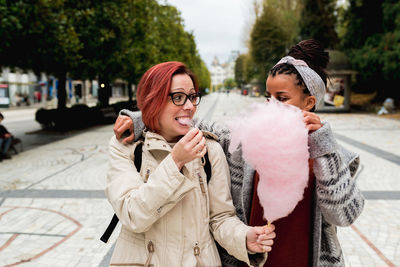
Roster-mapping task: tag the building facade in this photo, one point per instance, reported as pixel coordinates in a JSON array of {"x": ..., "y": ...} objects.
[{"x": 222, "y": 71}]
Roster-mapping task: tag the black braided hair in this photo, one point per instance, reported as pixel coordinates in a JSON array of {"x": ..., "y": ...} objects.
[{"x": 311, "y": 52}]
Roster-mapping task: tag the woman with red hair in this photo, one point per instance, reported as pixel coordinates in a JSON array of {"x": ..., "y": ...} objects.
[{"x": 170, "y": 217}]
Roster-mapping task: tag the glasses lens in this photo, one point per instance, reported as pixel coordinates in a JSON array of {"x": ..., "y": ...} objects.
[
  {"x": 178, "y": 98},
  {"x": 194, "y": 98}
]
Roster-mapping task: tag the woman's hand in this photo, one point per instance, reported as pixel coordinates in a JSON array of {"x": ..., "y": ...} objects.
[
  {"x": 312, "y": 120},
  {"x": 190, "y": 147},
  {"x": 259, "y": 239},
  {"x": 124, "y": 124}
]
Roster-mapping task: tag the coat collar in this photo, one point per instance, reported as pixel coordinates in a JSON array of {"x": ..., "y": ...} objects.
[{"x": 154, "y": 141}]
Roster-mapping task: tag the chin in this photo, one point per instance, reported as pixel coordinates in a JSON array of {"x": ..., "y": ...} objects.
[{"x": 183, "y": 131}]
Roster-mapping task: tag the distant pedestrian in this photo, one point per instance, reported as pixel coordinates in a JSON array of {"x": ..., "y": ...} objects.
[
  {"x": 307, "y": 237},
  {"x": 38, "y": 96},
  {"x": 5, "y": 140}
]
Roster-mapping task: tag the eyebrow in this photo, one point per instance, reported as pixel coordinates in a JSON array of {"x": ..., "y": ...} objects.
[
  {"x": 278, "y": 93},
  {"x": 281, "y": 92},
  {"x": 182, "y": 89}
]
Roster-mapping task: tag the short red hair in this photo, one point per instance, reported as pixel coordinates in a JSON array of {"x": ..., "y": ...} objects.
[{"x": 154, "y": 87}]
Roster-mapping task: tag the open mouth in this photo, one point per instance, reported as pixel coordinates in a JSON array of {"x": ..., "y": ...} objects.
[{"x": 184, "y": 121}]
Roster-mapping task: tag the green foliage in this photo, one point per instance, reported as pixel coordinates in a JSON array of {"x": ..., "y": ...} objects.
[
  {"x": 268, "y": 43},
  {"x": 289, "y": 12},
  {"x": 373, "y": 45},
  {"x": 363, "y": 19},
  {"x": 318, "y": 21},
  {"x": 229, "y": 83},
  {"x": 38, "y": 36},
  {"x": 204, "y": 77},
  {"x": 274, "y": 30},
  {"x": 91, "y": 39},
  {"x": 240, "y": 69}
]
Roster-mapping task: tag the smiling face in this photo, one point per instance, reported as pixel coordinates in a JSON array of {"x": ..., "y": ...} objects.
[
  {"x": 284, "y": 88},
  {"x": 174, "y": 119}
]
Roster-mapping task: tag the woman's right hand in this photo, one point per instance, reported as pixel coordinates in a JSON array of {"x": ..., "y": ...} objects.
[{"x": 190, "y": 147}]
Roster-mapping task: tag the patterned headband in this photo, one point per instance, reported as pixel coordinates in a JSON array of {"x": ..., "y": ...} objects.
[{"x": 312, "y": 80}]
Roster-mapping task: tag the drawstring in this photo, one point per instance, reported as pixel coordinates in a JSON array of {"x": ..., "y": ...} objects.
[
  {"x": 150, "y": 248},
  {"x": 196, "y": 252}
]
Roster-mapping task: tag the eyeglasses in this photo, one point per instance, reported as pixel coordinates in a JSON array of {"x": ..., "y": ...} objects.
[{"x": 179, "y": 98}]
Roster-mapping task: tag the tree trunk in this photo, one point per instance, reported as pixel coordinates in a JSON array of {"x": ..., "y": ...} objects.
[
  {"x": 84, "y": 91},
  {"x": 61, "y": 91},
  {"x": 104, "y": 93},
  {"x": 130, "y": 93}
]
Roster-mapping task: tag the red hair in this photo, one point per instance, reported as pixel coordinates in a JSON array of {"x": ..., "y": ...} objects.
[{"x": 154, "y": 87}]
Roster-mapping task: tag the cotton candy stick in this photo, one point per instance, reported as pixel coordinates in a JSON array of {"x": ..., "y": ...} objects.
[{"x": 273, "y": 139}]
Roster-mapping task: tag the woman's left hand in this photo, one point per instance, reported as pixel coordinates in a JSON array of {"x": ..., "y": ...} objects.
[
  {"x": 259, "y": 239},
  {"x": 312, "y": 120}
]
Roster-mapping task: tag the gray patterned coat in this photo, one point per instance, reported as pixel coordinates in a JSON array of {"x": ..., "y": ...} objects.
[{"x": 338, "y": 201}]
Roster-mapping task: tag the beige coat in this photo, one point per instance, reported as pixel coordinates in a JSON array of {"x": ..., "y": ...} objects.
[{"x": 169, "y": 218}]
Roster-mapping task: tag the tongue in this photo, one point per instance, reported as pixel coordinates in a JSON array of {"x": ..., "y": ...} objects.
[{"x": 185, "y": 121}]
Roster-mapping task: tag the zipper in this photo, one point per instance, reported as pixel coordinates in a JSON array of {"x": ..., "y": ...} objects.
[
  {"x": 203, "y": 189},
  {"x": 146, "y": 177}
]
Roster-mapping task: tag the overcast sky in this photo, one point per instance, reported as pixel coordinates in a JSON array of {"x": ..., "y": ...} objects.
[{"x": 218, "y": 25}]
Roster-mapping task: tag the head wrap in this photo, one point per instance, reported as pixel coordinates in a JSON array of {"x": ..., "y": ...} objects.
[{"x": 312, "y": 80}]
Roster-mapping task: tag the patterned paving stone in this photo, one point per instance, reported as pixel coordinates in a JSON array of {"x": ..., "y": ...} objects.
[{"x": 70, "y": 168}]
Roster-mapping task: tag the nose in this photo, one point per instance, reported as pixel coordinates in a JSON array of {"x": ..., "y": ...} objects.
[{"x": 188, "y": 105}]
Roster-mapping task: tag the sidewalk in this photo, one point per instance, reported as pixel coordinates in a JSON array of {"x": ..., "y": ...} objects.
[{"x": 53, "y": 209}]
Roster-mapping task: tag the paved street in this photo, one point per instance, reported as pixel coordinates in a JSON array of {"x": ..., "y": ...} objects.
[{"x": 53, "y": 209}]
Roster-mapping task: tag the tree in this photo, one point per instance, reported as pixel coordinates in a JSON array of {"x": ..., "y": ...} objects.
[
  {"x": 229, "y": 83},
  {"x": 204, "y": 77},
  {"x": 40, "y": 37},
  {"x": 372, "y": 43},
  {"x": 318, "y": 21},
  {"x": 101, "y": 40},
  {"x": 105, "y": 28},
  {"x": 268, "y": 41},
  {"x": 240, "y": 70}
]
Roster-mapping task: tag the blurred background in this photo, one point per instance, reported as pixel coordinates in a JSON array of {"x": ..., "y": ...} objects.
[
  {"x": 57, "y": 54},
  {"x": 67, "y": 67}
]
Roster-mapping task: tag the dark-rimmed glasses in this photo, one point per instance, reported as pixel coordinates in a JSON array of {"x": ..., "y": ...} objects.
[{"x": 180, "y": 98}]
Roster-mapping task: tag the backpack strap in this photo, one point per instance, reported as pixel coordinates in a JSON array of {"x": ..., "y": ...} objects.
[
  {"x": 138, "y": 156},
  {"x": 110, "y": 229},
  {"x": 207, "y": 167},
  {"x": 114, "y": 220}
]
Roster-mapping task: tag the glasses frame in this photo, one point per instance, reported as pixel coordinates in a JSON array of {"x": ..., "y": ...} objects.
[{"x": 186, "y": 98}]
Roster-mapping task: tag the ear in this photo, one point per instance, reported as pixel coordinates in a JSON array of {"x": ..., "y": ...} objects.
[{"x": 309, "y": 102}]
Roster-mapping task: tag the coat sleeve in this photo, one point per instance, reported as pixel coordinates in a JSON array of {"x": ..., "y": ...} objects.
[
  {"x": 138, "y": 125},
  {"x": 338, "y": 196},
  {"x": 137, "y": 204},
  {"x": 225, "y": 226}
]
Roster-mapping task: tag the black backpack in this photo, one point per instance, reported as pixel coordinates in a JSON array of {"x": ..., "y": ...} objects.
[{"x": 138, "y": 164}]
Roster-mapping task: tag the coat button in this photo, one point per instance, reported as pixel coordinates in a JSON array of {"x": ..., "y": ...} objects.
[{"x": 159, "y": 210}]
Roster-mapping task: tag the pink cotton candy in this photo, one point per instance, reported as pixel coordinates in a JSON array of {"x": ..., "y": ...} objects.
[{"x": 273, "y": 137}]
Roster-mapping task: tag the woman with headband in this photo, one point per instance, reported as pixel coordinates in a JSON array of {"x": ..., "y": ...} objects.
[{"x": 307, "y": 237}]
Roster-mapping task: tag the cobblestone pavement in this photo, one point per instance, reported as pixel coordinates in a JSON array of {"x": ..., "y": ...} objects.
[{"x": 53, "y": 209}]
